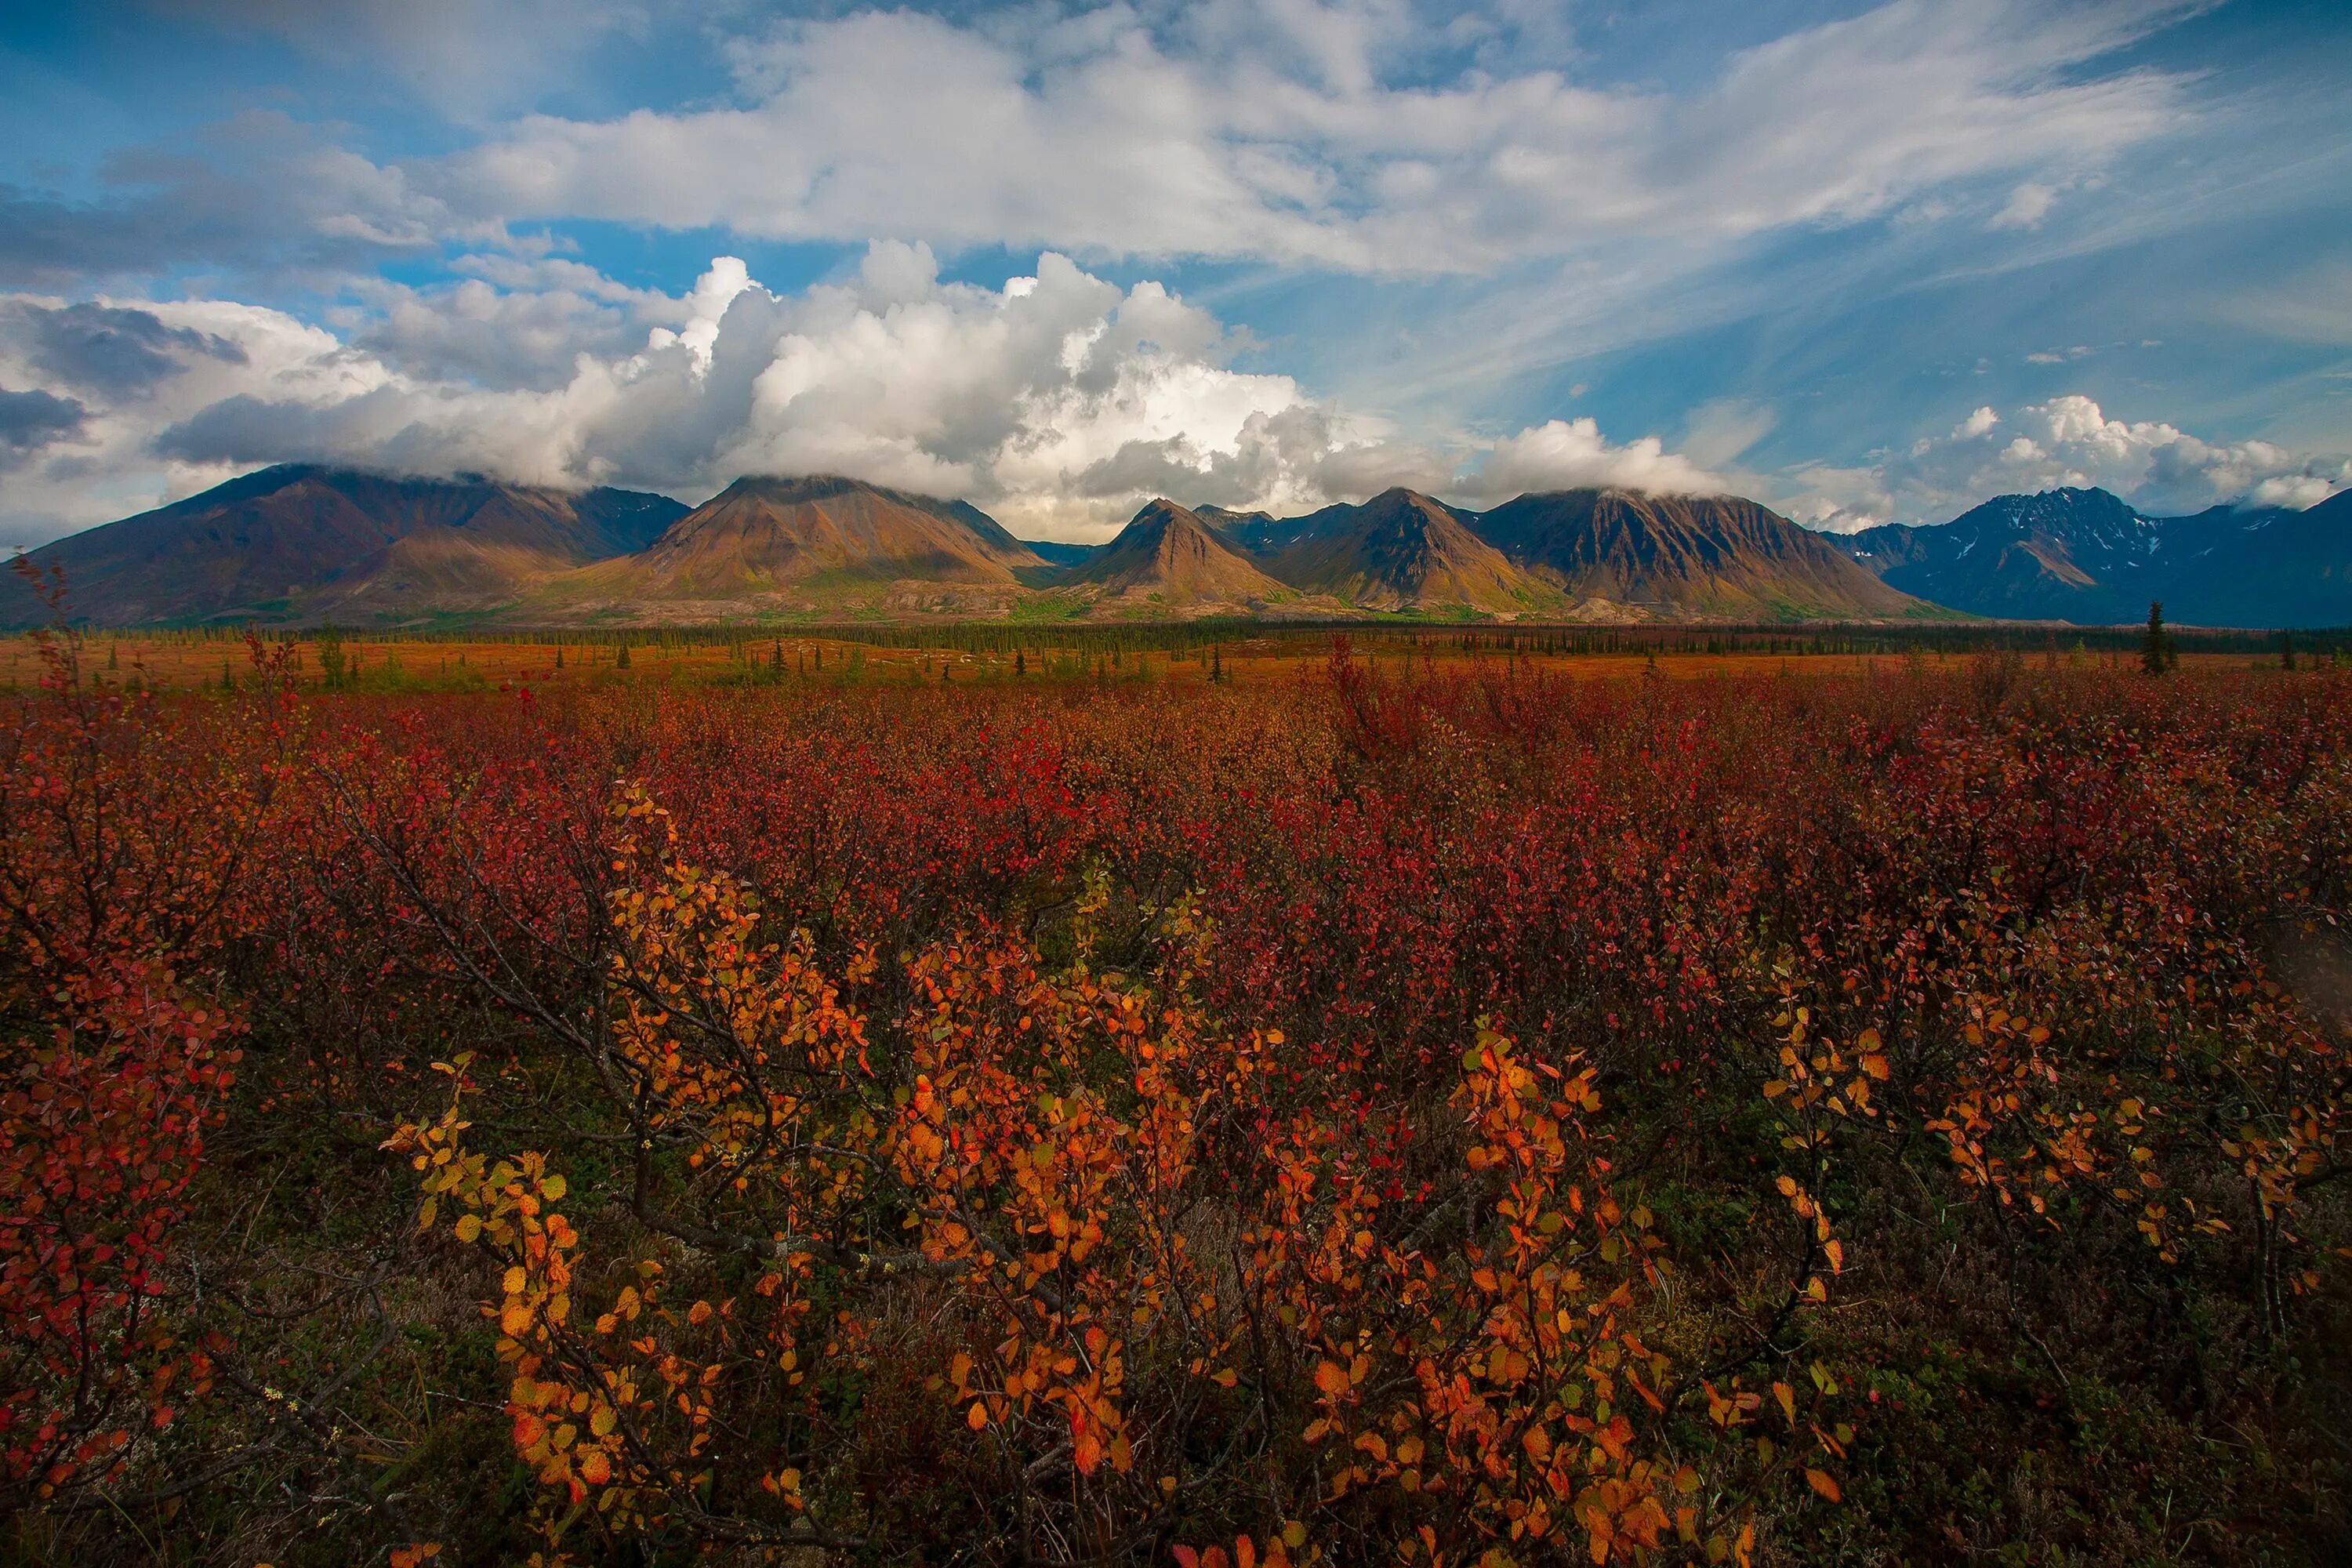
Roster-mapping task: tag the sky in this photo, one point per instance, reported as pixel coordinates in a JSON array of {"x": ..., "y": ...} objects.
[{"x": 1863, "y": 262}]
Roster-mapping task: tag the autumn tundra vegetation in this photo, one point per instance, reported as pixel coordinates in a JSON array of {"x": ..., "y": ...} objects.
[{"x": 1385, "y": 1111}]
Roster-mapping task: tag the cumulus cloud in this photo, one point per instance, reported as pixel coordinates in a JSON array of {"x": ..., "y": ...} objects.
[
  {"x": 107, "y": 465},
  {"x": 31, "y": 420},
  {"x": 514, "y": 324},
  {"x": 2067, "y": 441},
  {"x": 114, "y": 351},
  {"x": 1060, "y": 400},
  {"x": 1572, "y": 454}
]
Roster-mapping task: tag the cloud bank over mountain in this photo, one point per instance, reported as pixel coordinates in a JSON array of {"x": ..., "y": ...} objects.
[
  {"x": 1060, "y": 400},
  {"x": 1059, "y": 258},
  {"x": 2067, "y": 441}
]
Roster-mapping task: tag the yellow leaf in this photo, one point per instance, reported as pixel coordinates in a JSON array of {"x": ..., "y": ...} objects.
[
  {"x": 468, "y": 1227},
  {"x": 1788, "y": 1398},
  {"x": 551, "y": 1187}
]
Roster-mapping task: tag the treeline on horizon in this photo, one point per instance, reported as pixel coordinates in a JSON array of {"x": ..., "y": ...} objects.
[{"x": 1565, "y": 639}]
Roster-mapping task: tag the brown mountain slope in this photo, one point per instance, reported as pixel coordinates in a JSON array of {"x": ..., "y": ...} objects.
[
  {"x": 301, "y": 543},
  {"x": 1401, "y": 550},
  {"x": 1167, "y": 558},
  {"x": 1623, "y": 555},
  {"x": 761, "y": 537}
]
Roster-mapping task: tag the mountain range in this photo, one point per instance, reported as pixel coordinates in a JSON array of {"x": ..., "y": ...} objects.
[
  {"x": 2083, "y": 556},
  {"x": 302, "y": 544}
]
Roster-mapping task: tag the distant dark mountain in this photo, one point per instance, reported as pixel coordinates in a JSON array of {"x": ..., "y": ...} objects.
[
  {"x": 2064, "y": 555},
  {"x": 303, "y": 542},
  {"x": 2085, "y": 556},
  {"x": 1167, "y": 558},
  {"x": 1258, "y": 532},
  {"x": 2264, "y": 566},
  {"x": 1617, "y": 554},
  {"x": 1053, "y": 552},
  {"x": 1401, "y": 550},
  {"x": 805, "y": 540}
]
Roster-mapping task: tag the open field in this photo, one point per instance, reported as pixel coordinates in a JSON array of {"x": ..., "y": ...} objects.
[
  {"x": 1258, "y": 1100},
  {"x": 182, "y": 662}
]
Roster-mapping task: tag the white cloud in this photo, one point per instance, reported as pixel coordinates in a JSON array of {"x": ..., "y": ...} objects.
[
  {"x": 1718, "y": 432},
  {"x": 2028, "y": 204},
  {"x": 1060, "y": 401},
  {"x": 1572, "y": 454},
  {"x": 1274, "y": 132},
  {"x": 2067, "y": 441},
  {"x": 108, "y": 466},
  {"x": 515, "y": 325}
]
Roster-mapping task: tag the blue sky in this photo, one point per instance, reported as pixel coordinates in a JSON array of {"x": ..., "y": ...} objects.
[{"x": 1864, "y": 262}]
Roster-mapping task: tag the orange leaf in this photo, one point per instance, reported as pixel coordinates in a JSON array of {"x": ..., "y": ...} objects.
[{"x": 1822, "y": 1482}]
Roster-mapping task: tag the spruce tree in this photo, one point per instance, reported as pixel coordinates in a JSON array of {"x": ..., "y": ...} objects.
[
  {"x": 331, "y": 656},
  {"x": 2156, "y": 653}
]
